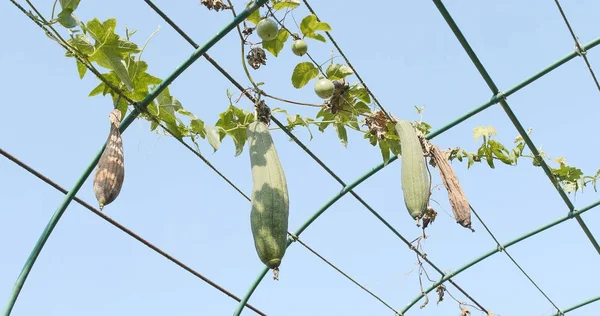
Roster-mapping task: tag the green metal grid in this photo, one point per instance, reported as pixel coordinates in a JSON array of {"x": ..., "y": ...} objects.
[{"x": 497, "y": 98}]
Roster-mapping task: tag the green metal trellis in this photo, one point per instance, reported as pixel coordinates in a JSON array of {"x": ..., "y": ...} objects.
[{"x": 497, "y": 98}]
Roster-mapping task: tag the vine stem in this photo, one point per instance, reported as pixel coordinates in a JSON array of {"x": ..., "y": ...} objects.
[
  {"x": 243, "y": 40},
  {"x": 290, "y": 101}
]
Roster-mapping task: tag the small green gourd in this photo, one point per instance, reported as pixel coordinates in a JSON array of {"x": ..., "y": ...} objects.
[
  {"x": 270, "y": 202},
  {"x": 414, "y": 174},
  {"x": 110, "y": 172}
]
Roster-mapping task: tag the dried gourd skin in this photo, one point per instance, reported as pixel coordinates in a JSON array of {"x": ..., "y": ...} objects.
[{"x": 110, "y": 173}]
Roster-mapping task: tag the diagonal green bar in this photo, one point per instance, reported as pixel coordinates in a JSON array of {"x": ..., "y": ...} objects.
[
  {"x": 500, "y": 248},
  {"x": 463, "y": 41},
  {"x": 465, "y": 44},
  {"x": 126, "y": 122},
  {"x": 582, "y": 304}
]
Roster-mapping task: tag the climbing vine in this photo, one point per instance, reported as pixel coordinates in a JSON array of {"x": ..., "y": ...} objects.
[{"x": 347, "y": 104}]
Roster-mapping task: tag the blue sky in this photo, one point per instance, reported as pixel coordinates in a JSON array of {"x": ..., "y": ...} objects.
[{"x": 408, "y": 56}]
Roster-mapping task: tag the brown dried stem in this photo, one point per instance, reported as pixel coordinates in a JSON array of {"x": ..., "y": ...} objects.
[{"x": 456, "y": 195}]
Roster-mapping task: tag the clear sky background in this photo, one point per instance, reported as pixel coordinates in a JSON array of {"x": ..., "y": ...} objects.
[{"x": 408, "y": 56}]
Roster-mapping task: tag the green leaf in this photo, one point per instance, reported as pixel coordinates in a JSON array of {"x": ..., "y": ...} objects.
[
  {"x": 174, "y": 129},
  {"x": 276, "y": 45},
  {"x": 423, "y": 127},
  {"x": 297, "y": 120},
  {"x": 327, "y": 116},
  {"x": 385, "y": 150},
  {"x": 489, "y": 157},
  {"x": 108, "y": 59},
  {"x": 338, "y": 71},
  {"x": 567, "y": 173},
  {"x": 111, "y": 49},
  {"x": 112, "y": 78},
  {"x": 187, "y": 113},
  {"x": 500, "y": 152},
  {"x": 66, "y": 17},
  {"x": 391, "y": 132},
  {"x": 309, "y": 26},
  {"x": 234, "y": 122},
  {"x": 121, "y": 105},
  {"x": 394, "y": 145},
  {"x": 341, "y": 132},
  {"x": 282, "y": 4},
  {"x": 81, "y": 68},
  {"x": 101, "y": 88},
  {"x": 69, "y": 4},
  {"x": 360, "y": 93},
  {"x": 212, "y": 134},
  {"x": 303, "y": 73},
  {"x": 82, "y": 44},
  {"x": 167, "y": 106},
  {"x": 361, "y": 107},
  {"x": 372, "y": 138},
  {"x": 482, "y": 131},
  {"x": 254, "y": 18},
  {"x": 142, "y": 81},
  {"x": 197, "y": 126}
]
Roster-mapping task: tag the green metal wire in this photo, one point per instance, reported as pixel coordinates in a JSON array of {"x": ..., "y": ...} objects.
[
  {"x": 126, "y": 122},
  {"x": 578, "y": 47},
  {"x": 344, "y": 274},
  {"x": 467, "y": 47},
  {"x": 501, "y": 248}
]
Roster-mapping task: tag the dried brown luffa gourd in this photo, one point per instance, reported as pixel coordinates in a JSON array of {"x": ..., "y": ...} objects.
[{"x": 110, "y": 172}]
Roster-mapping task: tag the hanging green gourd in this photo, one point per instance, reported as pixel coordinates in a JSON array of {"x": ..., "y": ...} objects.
[
  {"x": 110, "y": 172},
  {"x": 270, "y": 203},
  {"x": 414, "y": 174}
]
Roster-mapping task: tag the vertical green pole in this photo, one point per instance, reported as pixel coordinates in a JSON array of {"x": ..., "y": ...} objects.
[{"x": 126, "y": 122}]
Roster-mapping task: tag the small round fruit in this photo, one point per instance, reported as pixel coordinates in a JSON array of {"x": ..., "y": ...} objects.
[
  {"x": 299, "y": 47},
  {"x": 324, "y": 88},
  {"x": 267, "y": 29}
]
